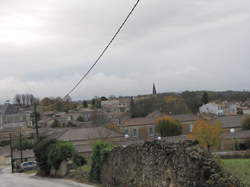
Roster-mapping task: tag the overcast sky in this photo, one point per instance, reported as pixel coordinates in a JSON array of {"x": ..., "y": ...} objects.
[{"x": 46, "y": 46}]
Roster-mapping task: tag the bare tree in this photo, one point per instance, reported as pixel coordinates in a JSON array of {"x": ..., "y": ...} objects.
[{"x": 17, "y": 99}]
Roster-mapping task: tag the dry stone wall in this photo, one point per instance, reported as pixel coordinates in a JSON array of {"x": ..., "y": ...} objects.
[{"x": 164, "y": 164}]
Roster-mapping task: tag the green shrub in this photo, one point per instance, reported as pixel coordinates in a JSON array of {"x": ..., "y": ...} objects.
[
  {"x": 246, "y": 123},
  {"x": 168, "y": 126},
  {"x": 71, "y": 124},
  {"x": 59, "y": 152},
  {"x": 99, "y": 156},
  {"x": 80, "y": 118},
  {"x": 51, "y": 153},
  {"x": 26, "y": 144},
  {"x": 4, "y": 143},
  {"x": 79, "y": 160},
  {"x": 56, "y": 124},
  {"x": 41, "y": 150}
]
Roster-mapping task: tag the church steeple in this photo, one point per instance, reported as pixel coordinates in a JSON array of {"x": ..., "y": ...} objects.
[{"x": 154, "y": 89}]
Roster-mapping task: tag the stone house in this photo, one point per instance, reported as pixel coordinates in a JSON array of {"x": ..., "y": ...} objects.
[
  {"x": 116, "y": 105},
  {"x": 144, "y": 128},
  {"x": 235, "y": 139},
  {"x": 84, "y": 138},
  {"x": 11, "y": 117},
  {"x": 230, "y": 122}
]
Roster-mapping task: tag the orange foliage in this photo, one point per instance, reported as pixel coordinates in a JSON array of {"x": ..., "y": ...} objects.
[{"x": 207, "y": 134}]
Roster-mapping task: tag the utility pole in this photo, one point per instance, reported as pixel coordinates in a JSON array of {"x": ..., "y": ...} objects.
[
  {"x": 35, "y": 120},
  {"x": 11, "y": 154},
  {"x": 21, "y": 145}
]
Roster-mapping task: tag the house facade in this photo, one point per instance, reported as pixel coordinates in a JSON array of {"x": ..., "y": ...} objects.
[
  {"x": 11, "y": 117},
  {"x": 84, "y": 138},
  {"x": 220, "y": 109},
  {"x": 116, "y": 105},
  {"x": 212, "y": 108}
]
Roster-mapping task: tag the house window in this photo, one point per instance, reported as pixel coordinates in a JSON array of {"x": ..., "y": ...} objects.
[
  {"x": 134, "y": 132},
  {"x": 151, "y": 131},
  {"x": 126, "y": 131},
  {"x": 190, "y": 128}
]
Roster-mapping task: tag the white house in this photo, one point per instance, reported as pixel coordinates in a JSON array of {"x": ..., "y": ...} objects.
[
  {"x": 223, "y": 108},
  {"x": 212, "y": 108}
]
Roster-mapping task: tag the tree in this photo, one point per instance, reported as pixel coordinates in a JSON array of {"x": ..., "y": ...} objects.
[
  {"x": 26, "y": 144},
  {"x": 168, "y": 126},
  {"x": 41, "y": 150},
  {"x": 80, "y": 118},
  {"x": 99, "y": 156},
  {"x": 174, "y": 104},
  {"x": 50, "y": 153},
  {"x": 204, "y": 98},
  {"x": 17, "y": 99},
  {"x": 246, "y": 123},
  {"x": 207, "y": 134},
  {"x": 85, "y": 104},
  {"x": 193, "y": 100},
  {"x": 56, "y": 124},
  {"x": 103, "y": 98},
  {"x": 59, "y": 152}
]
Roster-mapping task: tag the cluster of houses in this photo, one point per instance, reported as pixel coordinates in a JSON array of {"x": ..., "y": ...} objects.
[
  {"x": 226, "y": 108},
  {"x": 113, "y": 123}
]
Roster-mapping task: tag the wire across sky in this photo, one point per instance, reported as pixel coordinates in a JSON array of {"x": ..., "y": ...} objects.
[{"x": 103, "y": 51}]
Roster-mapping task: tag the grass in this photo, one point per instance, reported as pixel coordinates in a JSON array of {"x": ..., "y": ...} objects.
[
  {"x": 33, "y": 171},
  {"x": 86, "y": 168},
  {"x": 239, "y": 168}
]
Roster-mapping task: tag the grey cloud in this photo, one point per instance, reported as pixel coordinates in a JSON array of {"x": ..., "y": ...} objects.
[{"x": 177, "y": 44}]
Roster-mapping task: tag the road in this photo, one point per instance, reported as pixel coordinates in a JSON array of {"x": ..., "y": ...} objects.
[{"x": 22, "y": 180}]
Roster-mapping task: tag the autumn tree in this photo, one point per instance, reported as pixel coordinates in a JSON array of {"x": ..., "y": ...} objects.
[
  {"x": 168, "y": 126},
  {"x": 246, "y": 123},
  {"x": 206, "y": 133},
  {"x": 174, "y": 104}
]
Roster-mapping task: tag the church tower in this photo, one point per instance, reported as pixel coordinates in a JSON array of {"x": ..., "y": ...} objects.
[{"x": 154, "y": 90}]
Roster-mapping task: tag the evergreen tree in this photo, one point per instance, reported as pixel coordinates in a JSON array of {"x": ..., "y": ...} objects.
[{"x": 204, "y": 98}]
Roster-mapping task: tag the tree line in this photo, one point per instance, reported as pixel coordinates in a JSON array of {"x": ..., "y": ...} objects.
[{"x": 25, "y": 99}]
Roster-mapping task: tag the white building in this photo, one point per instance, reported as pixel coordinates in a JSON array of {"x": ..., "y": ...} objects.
[
  {"x": 212, "y": 108},
  {"x": 219, "y": 109}
]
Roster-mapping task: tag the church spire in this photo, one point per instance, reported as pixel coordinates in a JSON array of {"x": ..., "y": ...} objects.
[{"x": 154, "y": 89}]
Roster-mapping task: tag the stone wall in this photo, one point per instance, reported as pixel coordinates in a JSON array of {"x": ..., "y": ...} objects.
[{"x": 164, "y": 164}]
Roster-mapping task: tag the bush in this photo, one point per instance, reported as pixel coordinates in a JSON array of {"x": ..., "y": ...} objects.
[
  {"x": 55, "y": 124},
  {"x": 41, "y": 150},
  {"x": 51, "y": 153},
  {"x": 4, "y": 143},
  {"x": 99, "y": 156},
  {"x": 246, "y": 123},
  {"x": 79, "y": 160},
  {"x": 71, "y": 124},
  {"x": 168, "y": 126},
  {"x": 26, "y": 144},
  {"x": 80, "y": 118}
]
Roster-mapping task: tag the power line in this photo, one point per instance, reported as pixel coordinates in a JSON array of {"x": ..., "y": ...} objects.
[{"x": 104, "y": 50}]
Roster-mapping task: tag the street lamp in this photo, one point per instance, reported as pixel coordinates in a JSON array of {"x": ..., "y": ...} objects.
[
  {"x": 232, "y": 131},
  {"x": 159, "y": 138}
]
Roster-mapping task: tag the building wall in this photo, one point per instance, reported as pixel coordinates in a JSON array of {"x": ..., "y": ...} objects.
[
  {"x": 141, "y": 131},
  {"x": 211, "y": 108}
]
